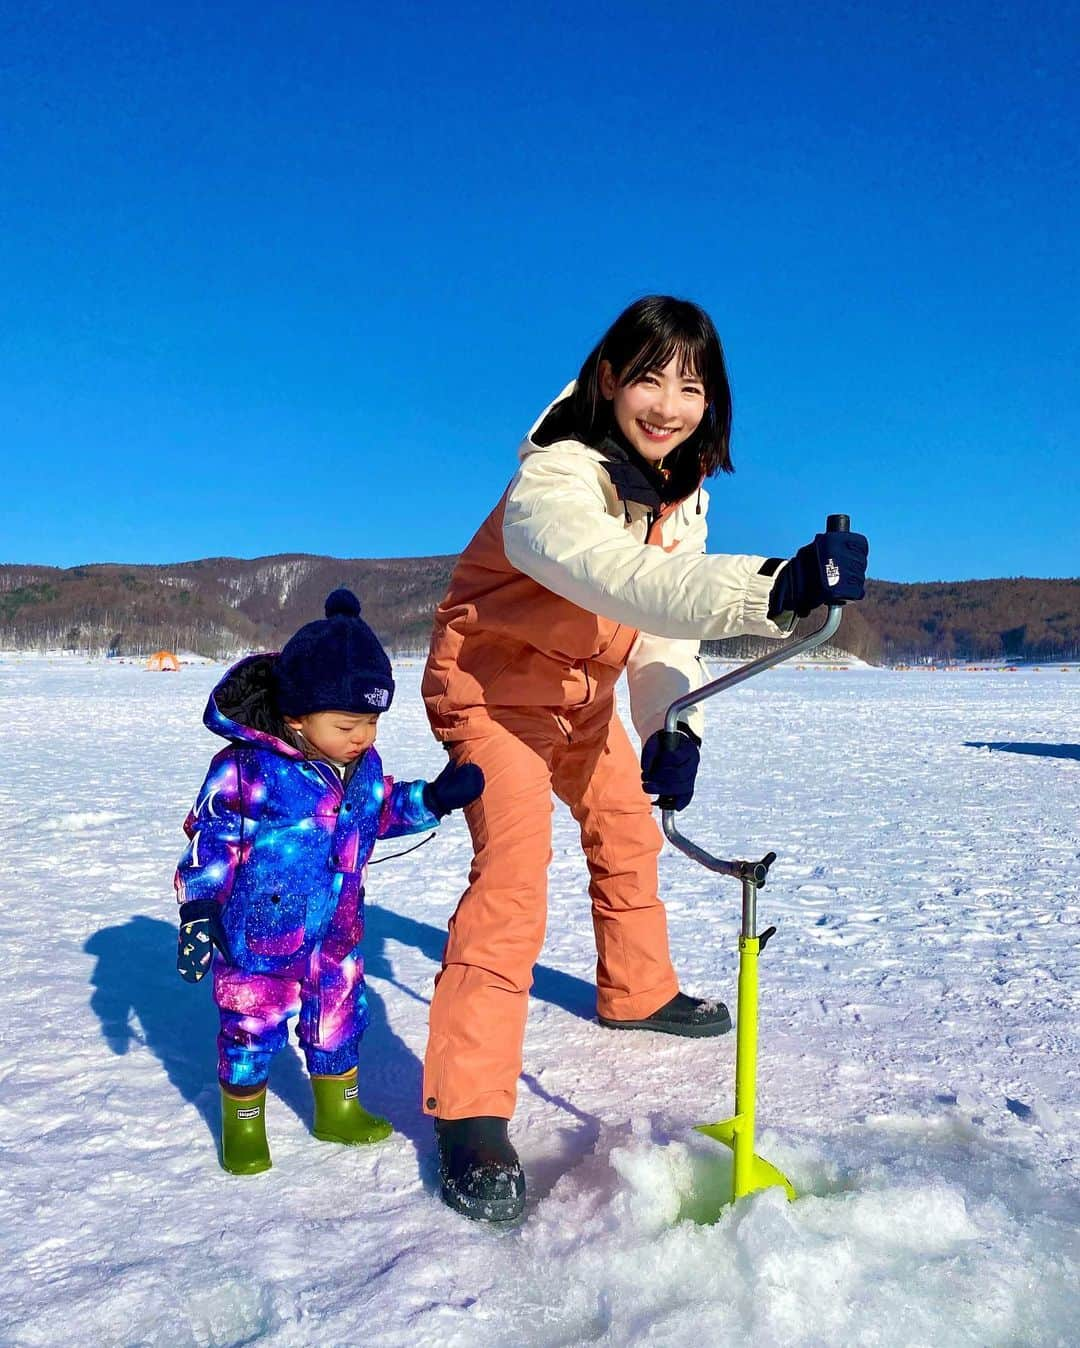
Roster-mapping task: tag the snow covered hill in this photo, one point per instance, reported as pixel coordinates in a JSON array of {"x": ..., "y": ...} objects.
[{"x": 919, "y": 1058}]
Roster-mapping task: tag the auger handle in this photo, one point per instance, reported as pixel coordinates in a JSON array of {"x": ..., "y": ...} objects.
[{"x": 740, "y": 869}]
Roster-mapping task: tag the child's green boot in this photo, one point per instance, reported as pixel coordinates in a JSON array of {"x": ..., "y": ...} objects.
[
  {"x": 243, "y": 1133},
  {"x": 339, "y": 1115}
]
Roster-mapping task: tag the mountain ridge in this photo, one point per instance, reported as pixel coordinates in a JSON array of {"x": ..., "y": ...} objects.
[{"x": 222, "y": 606}]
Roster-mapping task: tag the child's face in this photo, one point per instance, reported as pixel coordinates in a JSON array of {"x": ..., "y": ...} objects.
[
  {"x": 340, "y": 735},
  {"x": 659, "y": 411}
]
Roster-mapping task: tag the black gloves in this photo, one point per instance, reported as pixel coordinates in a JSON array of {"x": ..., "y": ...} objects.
[
  {"x": 669, "y": 764},
  {"x": 830, "y": 569},
  {"x": 456, "y": 785},
  {"x": 200, "y": 931}
]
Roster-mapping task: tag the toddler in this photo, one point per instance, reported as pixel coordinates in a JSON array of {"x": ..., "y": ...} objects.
[{"x": 273, "y": 875}]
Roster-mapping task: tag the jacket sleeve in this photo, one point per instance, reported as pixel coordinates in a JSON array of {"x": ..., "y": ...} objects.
[
  {"x": 658, "y": 671},
  {"x": 215, "y": 830},
  {"x": 403, "y": 809},
  {"x": 556, "y": 529}
]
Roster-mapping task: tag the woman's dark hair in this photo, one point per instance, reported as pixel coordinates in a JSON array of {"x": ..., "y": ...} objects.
[{"x": 645, "y": 337}]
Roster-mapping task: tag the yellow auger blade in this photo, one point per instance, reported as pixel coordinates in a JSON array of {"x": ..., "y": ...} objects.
[{"x": 749, "y": 1173}]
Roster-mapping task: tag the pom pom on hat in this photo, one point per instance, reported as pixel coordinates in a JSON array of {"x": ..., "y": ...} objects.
[
  {"x": 336, "y": 663},
  {"x": 342, "y": 603}
]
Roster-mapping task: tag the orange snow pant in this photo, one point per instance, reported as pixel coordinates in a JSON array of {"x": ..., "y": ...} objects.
[{"x": 477, "y": 1024}]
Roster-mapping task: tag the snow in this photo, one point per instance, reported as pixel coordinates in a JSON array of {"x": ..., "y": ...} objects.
[{"x": 917, "y": 1082}]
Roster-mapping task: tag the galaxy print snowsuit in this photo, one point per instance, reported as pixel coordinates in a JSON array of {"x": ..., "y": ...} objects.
[{"x": 281, "y": 843}]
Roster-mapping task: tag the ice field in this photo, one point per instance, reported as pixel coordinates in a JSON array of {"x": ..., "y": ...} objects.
[{"x": 919, "y": 1064}]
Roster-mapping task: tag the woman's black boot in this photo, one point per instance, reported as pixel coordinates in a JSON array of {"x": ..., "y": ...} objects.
[
  {"x": 479, "y": 1169},
  {"x": 694, "y": 1017}
]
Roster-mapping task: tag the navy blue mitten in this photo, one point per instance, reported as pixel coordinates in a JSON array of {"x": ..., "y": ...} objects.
[
  {"x": 669, "y": 764},
  {"x": 830, "y": 570},
  {"x": 200, "y": 931},
  {"x": 458, "y": 784}
]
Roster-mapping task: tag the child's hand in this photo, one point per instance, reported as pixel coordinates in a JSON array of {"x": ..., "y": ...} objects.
[
  {"x": 456, "y": 785},
  {"x": 200, "y": 931},
  {"x": 194, "y": 949}
]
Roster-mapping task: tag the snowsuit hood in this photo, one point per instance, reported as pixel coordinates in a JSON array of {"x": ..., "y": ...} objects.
[{"x": 242, "y": 706}]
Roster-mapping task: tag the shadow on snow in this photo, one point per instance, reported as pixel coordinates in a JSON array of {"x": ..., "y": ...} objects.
[
  {"x": 135, "y": 980},
  {"x": 1040, "y": 750}
]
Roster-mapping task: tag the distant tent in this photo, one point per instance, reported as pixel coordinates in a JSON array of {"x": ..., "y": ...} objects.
[{"x": 164, "y": 661}]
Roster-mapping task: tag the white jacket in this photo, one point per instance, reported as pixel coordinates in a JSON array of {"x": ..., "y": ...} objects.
[{"x": 637, "y": 587}]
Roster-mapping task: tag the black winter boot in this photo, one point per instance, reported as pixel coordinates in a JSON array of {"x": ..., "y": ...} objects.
[
  {"x": 479, "y": 1168},
  {"x": 697, "y": 1018}
]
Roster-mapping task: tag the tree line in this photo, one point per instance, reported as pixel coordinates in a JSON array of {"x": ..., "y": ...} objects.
[{"x": 220, "y": 607}]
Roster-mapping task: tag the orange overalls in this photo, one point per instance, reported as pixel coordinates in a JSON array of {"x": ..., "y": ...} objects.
[{"x": 521, "y": 682}]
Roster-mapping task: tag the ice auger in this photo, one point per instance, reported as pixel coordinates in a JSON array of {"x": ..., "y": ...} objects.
[{"x": 750, "y": 1172}]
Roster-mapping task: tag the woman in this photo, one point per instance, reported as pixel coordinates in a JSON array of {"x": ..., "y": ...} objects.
[{"x": 591, "y": 564}]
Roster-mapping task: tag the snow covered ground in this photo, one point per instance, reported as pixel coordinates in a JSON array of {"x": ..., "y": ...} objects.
[{"x": 918, "y": 1080}]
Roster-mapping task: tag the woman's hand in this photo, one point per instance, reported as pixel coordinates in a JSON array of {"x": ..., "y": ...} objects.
[
  {"x": 830, "y": 570},
  {"x": 669, "y": 764}
]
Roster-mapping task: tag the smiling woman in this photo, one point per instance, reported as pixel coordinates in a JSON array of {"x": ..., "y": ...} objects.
[
  {"x": 591, "y": 564},
  {"x": 658, "y": 412}
]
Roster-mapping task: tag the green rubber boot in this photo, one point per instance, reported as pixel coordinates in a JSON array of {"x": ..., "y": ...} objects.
[
  {"x": 339, "y": 1115},
  {"x": 243, "y": 1133}
]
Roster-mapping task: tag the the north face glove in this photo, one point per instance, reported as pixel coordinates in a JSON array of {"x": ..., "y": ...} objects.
[
  {"x": 457, "y": 785},
  {"x": 830, "y": 570},
  {"x": 669, "y": 764},
  {"x": 200, "y": 932}
]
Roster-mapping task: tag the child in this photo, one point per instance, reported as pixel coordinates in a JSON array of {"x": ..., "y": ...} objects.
[
  {"x": 592, "y": 564},
  {"x": 273, "y": 875}
]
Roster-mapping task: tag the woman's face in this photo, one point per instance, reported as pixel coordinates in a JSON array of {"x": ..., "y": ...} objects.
[{"x": 658, "y": 412}]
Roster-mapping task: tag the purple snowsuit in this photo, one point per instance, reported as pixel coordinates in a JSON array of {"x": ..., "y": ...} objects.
[{"x": 281, "y": 843}]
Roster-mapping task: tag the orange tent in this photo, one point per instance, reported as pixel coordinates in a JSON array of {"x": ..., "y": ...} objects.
[{"x": 164, "y": 661}]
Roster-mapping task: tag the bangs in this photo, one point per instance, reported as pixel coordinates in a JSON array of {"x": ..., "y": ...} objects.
[{"x": 660, "y": 350}]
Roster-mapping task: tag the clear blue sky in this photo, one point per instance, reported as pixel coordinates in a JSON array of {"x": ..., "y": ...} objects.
[{"x": 287, "y": 277}]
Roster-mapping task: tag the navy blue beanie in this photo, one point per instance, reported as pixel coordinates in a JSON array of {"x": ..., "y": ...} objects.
[{"x": 334, "y": 664}]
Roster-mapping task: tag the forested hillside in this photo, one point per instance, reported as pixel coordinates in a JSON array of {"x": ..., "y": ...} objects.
[
  {"x": 224, "y": 605},
  {"x": 1014, "y": 619},
  {"x": 216, "y": 607}
]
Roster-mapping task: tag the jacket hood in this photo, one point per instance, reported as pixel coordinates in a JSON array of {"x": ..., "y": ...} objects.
[
  {"x": 554, "y": 426},
  {"x": 242, "y": 706}
]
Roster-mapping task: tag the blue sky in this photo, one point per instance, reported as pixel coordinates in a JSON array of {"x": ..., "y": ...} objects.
[{"x": 297, "y": 277}]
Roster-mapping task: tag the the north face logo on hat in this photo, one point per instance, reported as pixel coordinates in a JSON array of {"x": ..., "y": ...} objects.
[{"x": 377, "y": 697}]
